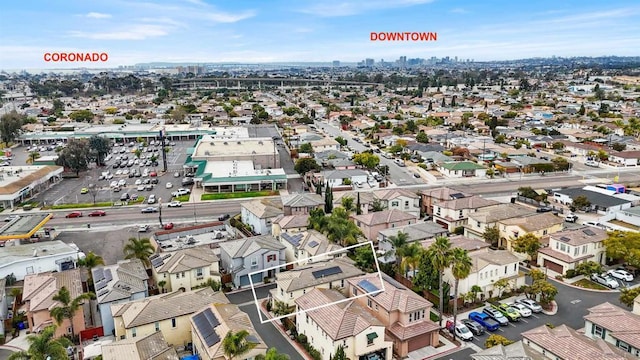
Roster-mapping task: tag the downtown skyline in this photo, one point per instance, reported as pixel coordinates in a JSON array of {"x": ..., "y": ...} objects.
[{"x": 200, "y": 31}]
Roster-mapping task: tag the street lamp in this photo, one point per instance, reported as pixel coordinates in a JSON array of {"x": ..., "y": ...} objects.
[{"x": 160, "y": 211}]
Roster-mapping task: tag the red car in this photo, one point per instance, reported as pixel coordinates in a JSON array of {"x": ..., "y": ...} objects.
[
  {"x": 168, "y": 226},
  {"x": 74, "y": 214},
  {"x": 153, "y": 174},
  {"x": 97, "y": 213}
]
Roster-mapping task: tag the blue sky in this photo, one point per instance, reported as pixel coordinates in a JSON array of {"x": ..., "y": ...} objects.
[{"x": 256, "y": 31}]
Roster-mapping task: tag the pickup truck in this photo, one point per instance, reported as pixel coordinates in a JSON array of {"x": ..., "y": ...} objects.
[
  {"x": 484, "y": 320},
  {"x": 506, "y": 310}
]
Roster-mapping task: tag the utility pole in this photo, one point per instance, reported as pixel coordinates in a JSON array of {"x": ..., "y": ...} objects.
[{"x": 164, "y": 151}]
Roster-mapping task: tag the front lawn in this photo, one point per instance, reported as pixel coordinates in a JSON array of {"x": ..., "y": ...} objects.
[
  {"x": 238, "y": 195},
  {"x": 588, "y": 284}
]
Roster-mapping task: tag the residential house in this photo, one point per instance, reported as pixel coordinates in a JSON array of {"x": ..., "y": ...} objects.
[
  {"x": 37, "y": 296},
  {"x": 399, "y": 199},
  {"x": 478, "y": 222},
  {"x": 460, "y": 169},
  {"x": 516, "y": 350},
  {"x": 538, "y": 224},
  {"x": 614, "y": 325},
  {"x": 22, "y": 260},
  {"x": 325, "y": 144},
  {"x": 415, "y": 232},
  {"x": 149, "y": 347},
  {"x": 185, "y": 269},
  {"x": 346, "y": 324},
  {"x": 530, "y": 164},
  {"x": 307, "y": 246},
  {"x": 210, "y": 325},
  {"x": 301, "y": 204},
  {"x": 453, "y": 213},
  {"x": 600, "y": 202},
  {"x": 260, "y": 214},
  {"x": 431, "y": 197},
  {"x": 373, "y": 222},
  {"x": 365, "y": 198},
  {"x": 335, "y": 178},
  {"x": 404, "y": 314},
  {"x": 245, "y": 256},
  {"x": 328, "y": 274},
  {"x": 626, "y": 158},
  {"x": 568, "y": 248},
  {"x": 122, "y": 282},
  {"x": 565, "y": 343},
  {"x": 169, "y": 313},
  {"x": 290, "y": 224}
]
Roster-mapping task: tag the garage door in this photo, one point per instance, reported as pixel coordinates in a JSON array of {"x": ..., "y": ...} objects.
[
  {"x": 419, "y": 342},
  {"x": 553, "y": 266}
]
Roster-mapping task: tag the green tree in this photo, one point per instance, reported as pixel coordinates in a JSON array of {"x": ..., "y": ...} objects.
[
  {"x": 492, "y": 235},
  {"x": 545, "y": 289},
  {"x": 273, "y": 354},
  {"x": 398, "y": 244},
  {"x": 33, "y": 156},
  {"x": 161, "y": 285},
  {"x": 528, "y": 192},
  {"x": 347, "y": 203},
  {"x": 90, "y": 261},
  {"x": 475, "y": 290},
  {"x": 306, "y": 148},
  {"x": 341, "y": 141},
  {"x": 67, "y": 307},
  {"x": 422, "y": 137},
  {"x": 623, "y": 245},
  {"x": 619, "y": 146},
  {"x": 527, "y": 244},
  {"x": 588, "y": 268},
  {"x": 317, "y": 220},
  {"x": 460, "y": 269},
  {"x": 75, "y": 156},
  {"x": 377, "y": 205},
  {"x": 81, "y": 116},
  {"x": 339, "y": 229},
  {"x": 43, "y": 346},
  {"x": 628, "y": 296},
  {"x": 501, "y": 285},
  {"x": 280, "y": 308},
  {"x": 304, "y": 165},
  {"x": 439, "y": 254},
  {"x": 137, "y": 153},
  {"x": 495, "y": 339},
  {"x": 237, "y": 344},
  {"x": 368, "y": 160},
  {"x": 139, "y": 249},
  {"x": 339, "y": 354},
  {"x": 364, "y": 258},
  {"x": 581, "y": 202},
  {"x": 328, "y": 199},
  {"x": 411, "y": 258},
  {"x": 10, "y": 124},
  {"x": 100, "y": 148}
]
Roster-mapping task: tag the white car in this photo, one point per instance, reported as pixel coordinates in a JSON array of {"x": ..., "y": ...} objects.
[
  {"x": 594, "y": 224},
  {"x": 605, "y": 280},
  {"x": 140, "y": 187},
  {"x": 138, "y": 181},
  {"x": 621, "y": 275},
  {"x": 122, "y": 182},
  {"x": 531, "y": 304},
  {"x": 119, "y": 172},
  {"x": 463, "y": 332},
  {"x": 180, "y": 192},
  {"x": 151, "y": 199},
  {"x": 522, "y": 309},
  {"x": 169, "y": 185},
  {"x": 174, "y": 204},
  {"x": 113, "y": 184}
]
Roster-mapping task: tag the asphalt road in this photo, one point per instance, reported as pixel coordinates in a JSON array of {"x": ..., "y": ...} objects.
[{"x": 4, "y": 354}]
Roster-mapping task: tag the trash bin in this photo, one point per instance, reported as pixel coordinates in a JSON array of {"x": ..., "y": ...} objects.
[{"x": 88, "y": 226}]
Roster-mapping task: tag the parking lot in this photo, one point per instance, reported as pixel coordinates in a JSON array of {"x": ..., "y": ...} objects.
[{"x": 69, "y": 190}]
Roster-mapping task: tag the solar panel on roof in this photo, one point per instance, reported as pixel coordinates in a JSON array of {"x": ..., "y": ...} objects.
[
  {"x": 98, "y": 274},
  {"x": 368, "y": 286},
  {"x": 212, "y": 339},
  {"x": 100, "y": 285},
  {"x": 103, "y": 292},
  {"x": 589, "y": 232},
  {"x": 394, "y": 283},
  {"x": 326, "y": 272},
  {"x": 213, "y": 320},
  {"x": 457, "y": 196},
  {"x": 206, "y": 323},
  {"x": 292, "y": 239},
  {"x": 564, "y": 238},
  {"x": 107, "y": 275},
  {"x": 157, "y": 262},
  {"x": 313, "y": 244}
]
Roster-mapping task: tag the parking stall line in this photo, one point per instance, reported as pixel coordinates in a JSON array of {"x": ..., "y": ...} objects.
[
  {"x": 535, "y": 316},
  {"x": 512, "y": 324},
  {"x": 524, "y": 320},
  {"x": 500, "y": 329}
]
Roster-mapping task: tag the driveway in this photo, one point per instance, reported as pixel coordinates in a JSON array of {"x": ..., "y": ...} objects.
[{"x": 270, "y": 335}]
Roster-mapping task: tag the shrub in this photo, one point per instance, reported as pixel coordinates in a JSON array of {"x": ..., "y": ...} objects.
[
  {"x": 570, "y": 274},
  {"x": 550, "y": 325},
  {"x": 559, "y": 277},
  {"x": 268, "y": 306},
  {"x": 315, "y": 354},
  {"x": 302, "y": 339}
]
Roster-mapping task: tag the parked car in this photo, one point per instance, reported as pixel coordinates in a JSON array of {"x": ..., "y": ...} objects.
[
  {"x": 484, "y": 320},
  {"x": 594, "y": 224},
  {"x": 508, "y": 312},
  {"x": 621, "y": 275},
  {"x": 496, "y": 315},
  {"x": 168, "y": 185},
  {"x": 571, "y": 218},
  {"x": 223, "y": 217},
  {"x": 151, "y": 199},
  {"x": 605, "y": 280},
  {"x": 174, "y": 204},
  {"x": 521, "y": 308},
  {"x": 124, "y": 197},
  {"x": 474, "y": 327},
  {"x": 84, "y": 190},
  {"x": 531, "y": 304},
  {"x": 544, "y": 209},
  {"x": 143, "y": 228},
  {"x": 153, "y": 174},
  {"x": 461, "y": 330},
  {"x": 97, "y": 213},
  {"x": 168, "y": 226},
  {"x": 180, "y": 192},
  {"x": 74, "y": 214},
  {"x": 149, "y": 209},
  {"x": 592, "y": 163}
]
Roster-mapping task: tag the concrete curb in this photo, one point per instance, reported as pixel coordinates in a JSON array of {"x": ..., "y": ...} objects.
[
  {"x": 11, "y": 347},
  {"x": 581, "y": 288},
  {"x": 554, "y": 309}
]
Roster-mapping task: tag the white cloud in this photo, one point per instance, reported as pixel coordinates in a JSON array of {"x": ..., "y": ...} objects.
[
  {"x": 135, "y": 32},
  {"x": 223, "y": 17},
  {"x": 335, "y": 8},
  {"x": 97, "y": 15},
  {"x": 459, "y": 10}
]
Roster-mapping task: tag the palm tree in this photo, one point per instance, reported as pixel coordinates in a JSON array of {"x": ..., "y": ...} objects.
[
  {"x": 272, "y": 354},
  {"x": 398, "y": 244},
  {"x": 439, "y": 254},
  {"x": 411, "y": 258},
  {"x": 67, "y": 307},
  {"x": 90, "y": 261},
  {"x": 460, "y": 269},
  {"x": 236, "y": 344},
  {"x": 139, "y": 249},
  {"x": 161, "y": 284},
  {"x": 33, "y": 156},
  {"x": 281, "y": 308},
  {"x": 43, "y": 346}
]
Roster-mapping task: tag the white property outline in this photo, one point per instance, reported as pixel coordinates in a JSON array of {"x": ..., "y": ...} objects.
[{"x": 255, "y": 298}]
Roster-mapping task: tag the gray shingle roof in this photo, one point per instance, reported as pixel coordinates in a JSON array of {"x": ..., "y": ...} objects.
[
  {"x": 302, "y": 277},
  {"x": 247, "y": 246}
]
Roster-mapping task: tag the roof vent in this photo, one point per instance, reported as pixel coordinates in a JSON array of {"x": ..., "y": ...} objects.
[{"x": 239, "y": 143}]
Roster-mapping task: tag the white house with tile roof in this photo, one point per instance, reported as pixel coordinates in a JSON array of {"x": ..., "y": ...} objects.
[
  {"x": 372, "y": 223},
  {"x": 453, "y": 213},
  {"x": 538, "y": 224},
  {"x": 185, "y": 269},
  {"x": 308, "y": 246},
  {"x": 244, "y": 256},
  {"x": 260, "y": 214},
  {"x": 289, "y": 224},
  {"x": 399, "y": 199},
  {"x": 169, "y": 313},
  {"x": 329, "y": 274},
  {"x": 616, "y": 326},
  {"x": 570, "y": 247},
  {"x": 298, "y": 204},
  {"x": 122, "y": 282},
  {"x": 345, "y": 324}
]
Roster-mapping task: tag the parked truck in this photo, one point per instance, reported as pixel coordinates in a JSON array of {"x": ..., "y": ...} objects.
[{"x": 484, "y": 320}]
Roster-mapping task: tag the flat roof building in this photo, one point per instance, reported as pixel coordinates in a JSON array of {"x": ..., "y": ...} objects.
[
  {"x": 21, "y": 260},
  {"x": 19, "y": 183}
]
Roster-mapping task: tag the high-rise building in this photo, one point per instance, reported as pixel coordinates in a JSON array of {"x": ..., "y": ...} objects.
[
  {"x": 369, "y": 62},
  {"x": 336, "y": 63}
]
